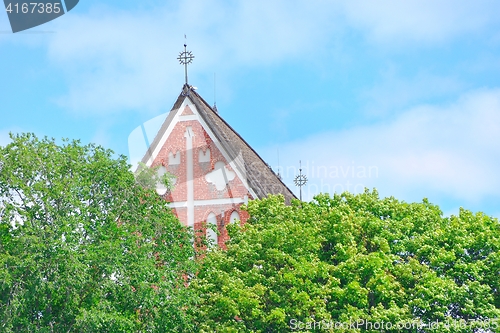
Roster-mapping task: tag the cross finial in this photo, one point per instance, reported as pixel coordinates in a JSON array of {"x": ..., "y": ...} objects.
[
  {"x": 185, "y": 58},
  {"x": 300, "y": 180}
]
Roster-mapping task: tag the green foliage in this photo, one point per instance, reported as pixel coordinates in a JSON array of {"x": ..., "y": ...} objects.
[
  {"x": 83, "y": 247},
  {"x": 149, "y": 178},
  {"x": 87, "y": 247},
  {"x": 352, "y": 258}
]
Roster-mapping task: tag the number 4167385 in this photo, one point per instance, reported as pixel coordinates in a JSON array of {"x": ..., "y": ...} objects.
[{"x": 34, "y": 7}]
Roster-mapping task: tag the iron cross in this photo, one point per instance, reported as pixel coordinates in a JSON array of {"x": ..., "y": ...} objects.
[
  {"x": 300, "y": 180},
  {"x": 185, "y": 58}
]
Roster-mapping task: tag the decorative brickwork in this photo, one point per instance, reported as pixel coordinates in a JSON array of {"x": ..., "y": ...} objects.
[{"x": 216, "y": 171}]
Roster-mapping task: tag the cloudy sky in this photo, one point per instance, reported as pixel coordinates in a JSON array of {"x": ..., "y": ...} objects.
[{"x": 403, "y": 96}]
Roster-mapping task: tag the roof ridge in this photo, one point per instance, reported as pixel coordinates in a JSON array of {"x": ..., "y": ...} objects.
[
  {"x": 262, "y": 179},
  {"x": 239, "y": 136}
]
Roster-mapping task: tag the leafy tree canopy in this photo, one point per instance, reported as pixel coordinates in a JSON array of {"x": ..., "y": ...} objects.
[
  {"x": 83, "y": 248},
  {"x": 353, "y": 259},
  {"x": 150, "y": 178}
]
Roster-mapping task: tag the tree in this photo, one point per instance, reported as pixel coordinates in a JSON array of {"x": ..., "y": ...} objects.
[
  {"x": 150, "y": 178},
  {"x": 83, "y": 247},
  {"x": 350, "y": 263}
]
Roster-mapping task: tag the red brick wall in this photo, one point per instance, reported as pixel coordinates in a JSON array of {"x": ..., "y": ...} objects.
[{"x": 176, "y": 143}]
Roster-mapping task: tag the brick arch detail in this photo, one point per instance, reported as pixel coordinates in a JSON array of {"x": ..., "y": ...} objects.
[{"x": 210, "y": 212}]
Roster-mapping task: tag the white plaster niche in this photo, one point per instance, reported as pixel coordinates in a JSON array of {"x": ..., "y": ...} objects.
[
  {"x": 220, "y": 176},
  {"x": 174, "y": 159},
  {"x": 234, "y": 217},
  {"x": 204, "y": 157},
  {"x": 212, "y": 223},
  {"x": 161, "y": 189}
]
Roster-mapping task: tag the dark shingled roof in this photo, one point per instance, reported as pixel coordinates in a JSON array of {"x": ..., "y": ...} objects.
[{"x": 260, "y": 176}]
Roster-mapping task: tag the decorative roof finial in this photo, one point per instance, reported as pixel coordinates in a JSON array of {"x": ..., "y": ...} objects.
[
  {"x": 215, "y": 100},
  {"x": 300, "y": 180},
  {"x": 185, "y": 58}
]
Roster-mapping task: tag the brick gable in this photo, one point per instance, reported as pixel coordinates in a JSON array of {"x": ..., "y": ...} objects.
[{"x": 216, "y": 171}]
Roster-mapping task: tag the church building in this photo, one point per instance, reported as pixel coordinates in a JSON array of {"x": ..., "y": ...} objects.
[{"x": 216, "y": 170}]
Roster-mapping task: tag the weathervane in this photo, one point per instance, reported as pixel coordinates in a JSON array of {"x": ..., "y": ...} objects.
[
  {"x": 185, "y": 58},
  {"x": 300, "y": 180}
]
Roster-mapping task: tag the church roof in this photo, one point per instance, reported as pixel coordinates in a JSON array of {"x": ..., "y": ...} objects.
[{"x": 260, "y": 177}]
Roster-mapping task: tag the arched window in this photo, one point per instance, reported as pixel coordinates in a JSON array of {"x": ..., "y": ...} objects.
[
  {"x": 211, "y": 225},
  {"x": 234, "y": 217},
  {"x": 174, "y": 159},
  {"x": 160, "y": 187},
  {"x": 204, "y": 157}
]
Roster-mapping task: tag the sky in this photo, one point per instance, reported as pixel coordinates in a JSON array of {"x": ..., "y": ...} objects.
[{"x": 401, "y": 96}]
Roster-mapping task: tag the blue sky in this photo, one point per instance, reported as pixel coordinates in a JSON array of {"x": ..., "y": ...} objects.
[{"x": 403, "y": 96}]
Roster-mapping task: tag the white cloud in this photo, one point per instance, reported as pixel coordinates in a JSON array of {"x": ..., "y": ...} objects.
[
  {"x": 118, "y": 60},
  {"x": 393, "y": 92},
  {"x": 114, "y": 61},
  {"x": 420, "y": 20},
  {"x": 449, "y": 151}
]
